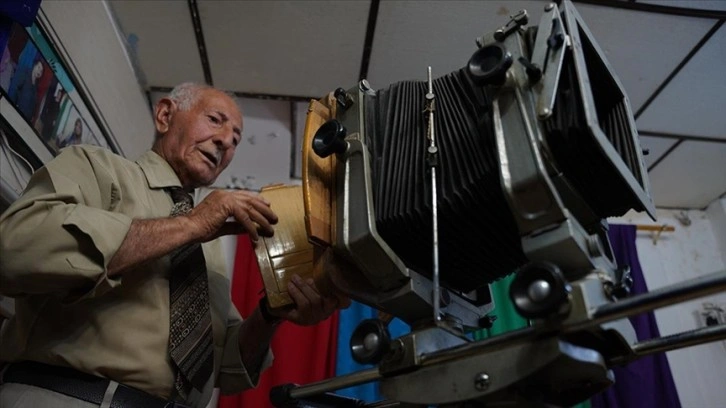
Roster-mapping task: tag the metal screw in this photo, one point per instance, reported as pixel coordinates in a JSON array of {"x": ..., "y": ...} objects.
[
  {"x": 482, "y": 381},
  {"x": 549, "y": 6},
  {"x": 544, "y": 113},
  {"x": 396, "y": 350}
]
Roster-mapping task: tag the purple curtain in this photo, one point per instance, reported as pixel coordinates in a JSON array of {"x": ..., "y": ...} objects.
[{"x": 646, "y": 382}]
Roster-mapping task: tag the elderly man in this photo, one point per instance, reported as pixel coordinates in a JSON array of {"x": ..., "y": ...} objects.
[{"x": 121, "y": 294}]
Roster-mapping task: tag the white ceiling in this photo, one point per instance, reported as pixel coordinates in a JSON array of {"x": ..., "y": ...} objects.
[{"x": 305, "y": 49}]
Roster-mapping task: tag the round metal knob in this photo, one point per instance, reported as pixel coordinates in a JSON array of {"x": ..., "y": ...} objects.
[
  {"x": 370, "y": 341},
  {"x": 539, "y": 290},
  {"x": 329, "y": 139},
  {"x": 489, "y": 65}
]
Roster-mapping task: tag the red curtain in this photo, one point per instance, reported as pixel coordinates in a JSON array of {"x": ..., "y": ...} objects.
[{"x": 302, "y": 354}]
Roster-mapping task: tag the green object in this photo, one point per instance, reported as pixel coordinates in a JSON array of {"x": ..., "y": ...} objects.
[{"x": 507, "y": 317}]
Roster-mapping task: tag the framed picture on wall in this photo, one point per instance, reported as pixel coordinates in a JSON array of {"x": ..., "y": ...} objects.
[{"x": 34, "y": 81}]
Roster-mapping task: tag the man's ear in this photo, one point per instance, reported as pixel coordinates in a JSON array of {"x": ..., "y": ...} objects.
[{"x": 162, "y": 115}]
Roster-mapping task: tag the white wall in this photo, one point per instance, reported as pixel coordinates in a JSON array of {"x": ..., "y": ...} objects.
[
  {"x": 691, "y": 251},
  {"x": 263, "y": 155},
  {"x": 716, "y": 212}
]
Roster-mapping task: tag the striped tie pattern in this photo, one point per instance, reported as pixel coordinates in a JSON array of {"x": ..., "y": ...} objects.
[{"x": 190, "y": 321}]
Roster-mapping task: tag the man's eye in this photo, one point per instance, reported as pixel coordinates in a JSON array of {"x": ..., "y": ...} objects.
[
  {"x": 235, "y": 141},
  {"x": 213, "y": 119}
]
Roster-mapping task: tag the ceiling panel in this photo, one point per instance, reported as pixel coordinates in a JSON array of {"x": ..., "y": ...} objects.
[
  {"x": 693, "y": 103},
  {"x": 299, "y": 48},
  {"x": 656, "y": 147},
  {"x": 161, "y": 31},
  {"x": 412, "y": 35},
  {"x": 642, "y": 48},
  {"x": 717, "y": 5},
  {"x": 691, "y": 176}
]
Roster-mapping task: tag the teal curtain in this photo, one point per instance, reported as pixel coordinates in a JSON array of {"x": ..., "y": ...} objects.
[{"x": 507, "y": 318}]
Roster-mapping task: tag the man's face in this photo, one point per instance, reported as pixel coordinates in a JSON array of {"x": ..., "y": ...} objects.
[
  {"x": 201, "y": 141},
  {"x": 37, "y": 70}
]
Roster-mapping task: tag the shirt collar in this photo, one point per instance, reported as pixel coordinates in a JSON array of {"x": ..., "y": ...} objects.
[{"x": 158, "y": 172}]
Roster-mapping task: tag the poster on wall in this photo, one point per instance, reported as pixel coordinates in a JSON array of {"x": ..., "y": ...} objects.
[{"x": 35, "y": 82}]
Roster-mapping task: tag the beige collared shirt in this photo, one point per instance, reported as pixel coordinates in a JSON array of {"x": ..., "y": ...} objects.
[{"x": 55, "y": 244}]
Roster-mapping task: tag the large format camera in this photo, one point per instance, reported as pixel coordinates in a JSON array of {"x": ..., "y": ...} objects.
[{"x": 419, "y": 195}]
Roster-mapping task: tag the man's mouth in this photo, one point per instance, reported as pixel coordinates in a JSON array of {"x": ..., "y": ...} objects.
[{"x": 211, "y": 157}]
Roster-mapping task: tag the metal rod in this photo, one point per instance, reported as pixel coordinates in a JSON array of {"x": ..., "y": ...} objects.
[
  {"x": 666, "y": 296},
  {"x": 201, "y": 44},
  {"x": 478, "y": 347},
  {"x": 681, "y": 340},
  {"x": 382, "y": 404},
  {"x": 433, "y": 150},
  {"x": 676, "y": 293},
  {"x": 336, "y": 383},
  {"x": 365, "y": 376},
  {"x": 673, "y": 342}
]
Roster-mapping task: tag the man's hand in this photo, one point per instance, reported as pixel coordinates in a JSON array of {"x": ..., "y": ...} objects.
[
  {"x": 252, "y": 214},
  {"x": 311, "y": 307},
  {"x": 151, "y": 238}
]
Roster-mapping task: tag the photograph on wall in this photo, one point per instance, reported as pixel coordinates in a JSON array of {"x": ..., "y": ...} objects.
[
  {"x": 55, "y": 103},
  {"x": 70, "y": 128},
  {"x": 37, "y": 85},
  {"x": 25, "y": 74},
  {"x": 73, "y": 130}
]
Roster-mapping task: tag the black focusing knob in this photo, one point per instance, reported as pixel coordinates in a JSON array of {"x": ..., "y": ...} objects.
[
  {"x": 370, "y": 341},
  {"x": 344, "y": 100},
  {"x": 489, "y": 65},
  {"x": 329, "y": 139},
  {"x": 540, "y": 290}
]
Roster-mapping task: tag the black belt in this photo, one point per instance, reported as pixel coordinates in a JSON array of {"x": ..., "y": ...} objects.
[{"x": 82, "y": 386}]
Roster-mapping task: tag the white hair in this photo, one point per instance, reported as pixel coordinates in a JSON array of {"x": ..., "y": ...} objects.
[{"x": 186, "y": 95}]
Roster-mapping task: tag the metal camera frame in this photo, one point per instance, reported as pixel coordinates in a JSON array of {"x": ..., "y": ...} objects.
[{"x": 565, "y": 355}]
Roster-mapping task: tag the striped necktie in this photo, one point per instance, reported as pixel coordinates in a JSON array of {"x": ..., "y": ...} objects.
[{"x": 190, "y": 321}]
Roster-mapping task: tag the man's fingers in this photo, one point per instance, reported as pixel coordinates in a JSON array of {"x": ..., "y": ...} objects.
[
  {"x": 264, "y": 227},
  {"x": 244, "y": 218},
  {"x": 297, "y": 295},
  {"x": 265, "y": 211},
  {"x": 315, "y": 302},
  {"x": 259, "y": 203},
  {"x": 259, "y": 212},
  {"x": 310, "y": 307},
  {"x": 307, "y": 289}
]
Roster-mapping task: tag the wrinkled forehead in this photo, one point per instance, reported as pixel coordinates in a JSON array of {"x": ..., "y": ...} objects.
[{"x": 213, "y": 99}]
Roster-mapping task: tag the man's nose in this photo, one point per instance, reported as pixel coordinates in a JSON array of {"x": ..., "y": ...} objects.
[{"x": 225, "y": 138}]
